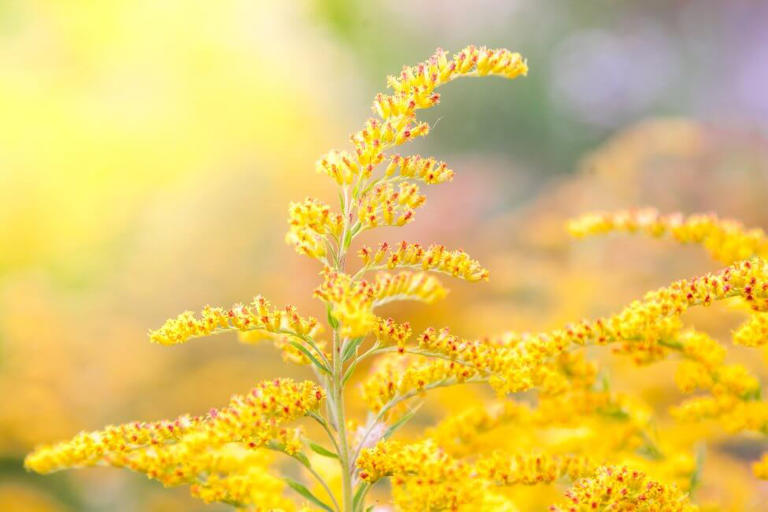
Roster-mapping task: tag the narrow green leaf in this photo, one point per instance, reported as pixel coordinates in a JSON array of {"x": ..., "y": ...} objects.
[
  {"x": 299, "y": 488},
  {"x": 304, "y": 350},
  {"x": 301, "y": 458},
  {"x": 322, "y": 451},
  {"x": 349, "y": 373},
  {"x": 331, "y": 321},
  {"x": 357, "y": 501},
  {"x": 349, "y": 350}
]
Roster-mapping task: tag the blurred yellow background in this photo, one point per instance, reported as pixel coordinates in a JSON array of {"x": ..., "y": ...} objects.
[{"x": 148, "y": 150}]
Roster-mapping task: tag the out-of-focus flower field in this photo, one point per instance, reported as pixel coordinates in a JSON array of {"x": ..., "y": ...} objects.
[{"x": 148, "y": 151}]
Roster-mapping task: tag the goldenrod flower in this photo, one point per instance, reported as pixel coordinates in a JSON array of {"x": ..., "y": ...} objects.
[
  {"x": 219, "y": 454},
  {"x": 556, "y": 417},
  {"x": 415, "y": 85},
  {"x": 700, "y": 347},
  {"x": 311, "y": 222},
  {"x": 424, "y": 477},
  {"x": 733, "y": 412},
  {"x": 753, "y": 332},
  {"x": 253, "y": 419},
  {"x": 533, "y": 469},
  {"x": 216, "y": 454},
  {"x": 427, "y": 170},
  {"x": 622, "y": 489},
  {"x": 459, "y": 433},
  {"x": 243, "y": 478},
  {"x": 417, "y": 286},
  {"x": 435, "y": 258},
  {"x": 342, "y": 167},
  {"x": 397, "y": 378},
  {"x": 760, "y": 468},
  {"x": 726, "y": 240},
  {"x": 259, "y": 315},
  {"x": 352, "y": 302},
  {"x": 390, "y": 332},
  {"x": 385, "y": 205}
]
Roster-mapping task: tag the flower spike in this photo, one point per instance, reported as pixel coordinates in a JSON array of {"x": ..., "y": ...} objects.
[
  {"x": 259, "y": 315},
  {"x": 726, "y": 240}
]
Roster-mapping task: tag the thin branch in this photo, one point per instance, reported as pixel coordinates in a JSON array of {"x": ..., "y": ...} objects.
[{"x": 324, "y": 424}]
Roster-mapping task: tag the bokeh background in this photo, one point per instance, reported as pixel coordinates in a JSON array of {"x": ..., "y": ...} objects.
[{"x": 148, "y": 150}]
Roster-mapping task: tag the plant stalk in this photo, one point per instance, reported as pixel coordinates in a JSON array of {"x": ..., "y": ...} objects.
[{"x": 343, "y": 441}]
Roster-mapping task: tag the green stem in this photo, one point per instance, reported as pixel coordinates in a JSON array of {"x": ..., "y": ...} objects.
[{"x": 339, "y": 412}]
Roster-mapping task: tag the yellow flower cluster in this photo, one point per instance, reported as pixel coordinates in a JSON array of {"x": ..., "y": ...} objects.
[
  {"x": 342, "y": 167},
  {"x": 760, "y": 468},
  {"x": 378, "y": 201},
  {"x": 753, "y": 332},
  {"x": 435, "y": 258},
  {"x": 219, "y": 454},
  {"x": 90, "y": 448},
  {"x": 259, "y": 315},
  {"x": 734, "y": 413},
  {"x": 352, "y": 302},
  {"x": 424, "y": 477},
  {"x": 417, "y": 286},
  {"x": 379, "y": 135},
  {"x": 580, "y": 429},
  {"x": 386, "y": 205},
  {"x": 400, "y": 377},
  {"x": 620, "y": 489},
  {"x": 704, "y": 368},
  {"x": 727, "y": 241},
  {"x": 241, "y": 477},
  {"x": 533, "y": 469},
  {"x": 621, "y": 426},
  {"x": 170, "y": 451},
  {"x": 310, "y": 221},
  {"x": 415, "y": 85},
  {"x": 643, "y": 328},
  {"x": 722, "y": 380},
  {"x": 427, "y": 170},
  {"x": 458, "y": 434},
  {"x": 415, "y": 88},
  {"x": 390, "y": 332}
]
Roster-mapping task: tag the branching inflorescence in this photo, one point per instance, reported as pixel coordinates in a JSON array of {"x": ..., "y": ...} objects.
[{"x": 476, "y": 459}]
